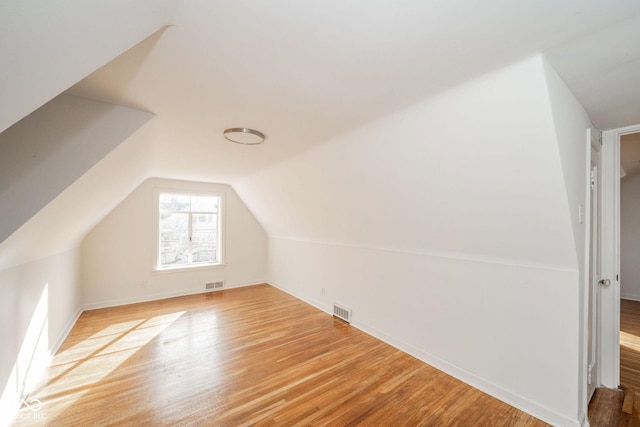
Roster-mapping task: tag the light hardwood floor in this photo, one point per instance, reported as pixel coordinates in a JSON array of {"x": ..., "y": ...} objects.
[
  {"x": 630, "y": 344},
  {"x": 246, "y": 356},
  {"x": 621, "y": 408}
]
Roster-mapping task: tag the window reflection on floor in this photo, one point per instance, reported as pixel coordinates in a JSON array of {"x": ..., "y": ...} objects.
[{"x": 90, "y": 360}]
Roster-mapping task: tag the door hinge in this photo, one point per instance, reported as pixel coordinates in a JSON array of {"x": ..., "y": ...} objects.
[{"x": 593, "y": 180}]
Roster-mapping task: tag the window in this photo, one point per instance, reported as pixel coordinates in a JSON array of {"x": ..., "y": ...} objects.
[{"x": 188, "y": 230}]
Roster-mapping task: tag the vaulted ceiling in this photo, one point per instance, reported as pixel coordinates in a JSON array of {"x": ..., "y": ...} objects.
[
  {"x": 301, "y": 72},
  {"x": 304, "y": 72}
]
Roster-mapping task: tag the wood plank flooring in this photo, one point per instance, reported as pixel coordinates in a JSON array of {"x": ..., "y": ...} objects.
[
  {"x": 606, "y": 408},
  {"x": 621, "y": 408},
  {"x": 630, "y": 344},
  {"x": 246, "y": 356}
]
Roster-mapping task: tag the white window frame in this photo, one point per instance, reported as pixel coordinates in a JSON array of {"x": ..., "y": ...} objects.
[{"x": 221, "y": 230}]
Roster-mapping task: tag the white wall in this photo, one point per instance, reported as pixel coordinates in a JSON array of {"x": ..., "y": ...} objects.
[
  {"x": 40, "y": 302},
  {"x": 490, "y": 324},
  {"x": 44, "y": 153},
  {"x": 118, "y": 255},
  {"x": 446, "y": 228},
  {"x": 44, "y": 213},
  {"x": 49, "y": 46},
  {"x": 571, "y": 122},
  {"x": 630, "y": 238}
]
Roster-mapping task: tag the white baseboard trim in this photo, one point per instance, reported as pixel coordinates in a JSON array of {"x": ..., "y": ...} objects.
[
  {"x": 500, "y": 393},
  {"x": 316, "y": 304},
  {"x": 65, "y": 333},
  {"x": 630, "y": 297},
  {"x": 163, "y": 295},
  {"x": 7, "y": 414},
  {"x": 584, "y": 420},
  {"x": 526, "y": 405}
]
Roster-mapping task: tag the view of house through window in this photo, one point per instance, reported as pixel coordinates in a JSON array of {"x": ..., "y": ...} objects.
[{"x": 189, "y": 230}]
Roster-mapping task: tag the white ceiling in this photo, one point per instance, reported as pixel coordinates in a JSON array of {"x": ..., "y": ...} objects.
[
  {"x": 602, "y": 70},
  {"x": 302, "y": 72}
]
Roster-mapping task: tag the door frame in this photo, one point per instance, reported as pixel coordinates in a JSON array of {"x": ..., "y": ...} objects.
[
  {"x": 593, "y": 260},
  {"x": 610, "y": 296}
]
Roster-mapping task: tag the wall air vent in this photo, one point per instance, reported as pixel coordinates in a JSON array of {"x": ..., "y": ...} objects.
[
  {"x": 214, "y": 285},
  {"x": 342, "y": 313}
]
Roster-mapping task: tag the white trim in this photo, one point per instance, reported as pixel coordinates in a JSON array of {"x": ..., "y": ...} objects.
[
  {"x": 444, "y": 255},
  {"x": 6, "y": 417},
  {"x": 609, "y": 297},
  {"x": 624, "y": 130},
  {"x": 586, "y": 280},
  {"x": 522, "y": 403},
  {"x": 162, "y": 295},
  {"x": 65, "y": 333},
  {"x": 583, "y": 421},
  {"x": 186, "y": 268},
  {"x": 630, "y": 297},
  {"x": 610, "y": 306},
  {"x": 222, "y": 230}
]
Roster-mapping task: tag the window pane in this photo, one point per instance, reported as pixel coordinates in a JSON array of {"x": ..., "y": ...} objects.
[
  {"x": 174, "y": 202},
  {"x": 204, "y": 221},
  {"x": 174, "y": 222},
  {"x": 204, "y": 236},
  {"x": 203, "y": 246},
  {"x": 188, "y": 229},
  {"x": 204, "y": 204},
  {"x": 175, "y": 236},
  {"x": 174, "y": 253},
  {"x": 202, "y": 255}
]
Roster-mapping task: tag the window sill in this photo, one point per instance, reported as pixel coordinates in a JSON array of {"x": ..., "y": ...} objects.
[{"x": 186, "y": 268}]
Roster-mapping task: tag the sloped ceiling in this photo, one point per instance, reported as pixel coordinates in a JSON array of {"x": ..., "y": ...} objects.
[
  {"x": 48, "y": 46},
  {"x": 301, "y": 72},
  {"x": 602, "y": 69},
  {"x": 417, "y": 182},
  {"x": 35, "y": 152},
  {"x": 304, "y": 72}
]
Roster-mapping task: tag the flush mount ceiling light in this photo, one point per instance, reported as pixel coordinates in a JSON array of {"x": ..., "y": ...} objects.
[{"x": 244, "y": 136}]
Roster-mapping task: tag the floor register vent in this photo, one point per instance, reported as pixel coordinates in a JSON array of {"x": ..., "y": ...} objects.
[
  {"x": 214, "y": 285},
  {"x": 342, "y": 313}
]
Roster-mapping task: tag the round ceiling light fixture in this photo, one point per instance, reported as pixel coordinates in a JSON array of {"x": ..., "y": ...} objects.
[{"x": 244, "y": 136}]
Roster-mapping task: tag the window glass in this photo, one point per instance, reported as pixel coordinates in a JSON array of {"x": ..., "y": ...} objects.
[{"x": 188, "y": 230}]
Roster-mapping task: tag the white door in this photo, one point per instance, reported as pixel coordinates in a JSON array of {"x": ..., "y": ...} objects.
[{"x": 593, "y": 344}]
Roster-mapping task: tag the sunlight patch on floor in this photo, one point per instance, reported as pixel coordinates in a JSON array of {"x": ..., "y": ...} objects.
[
  {"x": 31, "y": 361},
  {"x": 629, "y": 340},
  {"x": 75, "y": 370}
]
